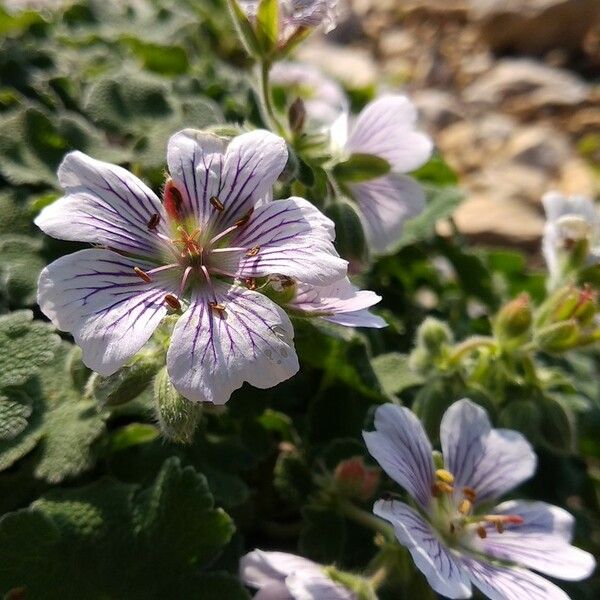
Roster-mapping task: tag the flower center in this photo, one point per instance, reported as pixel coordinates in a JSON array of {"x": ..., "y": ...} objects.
[
  {"x": 572, "y": 229},
  {"x": 196, "y": 253},
  {"x": 453, "y": 515}
]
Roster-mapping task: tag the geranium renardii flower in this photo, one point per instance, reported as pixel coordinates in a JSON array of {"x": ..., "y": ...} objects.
[
  {"x": 569, "y": 221},
  {"x": 455, "y": 534},
  {"x": 282, "y": 576},
  {"x": 205, "y": 250},
  {"x": 386, "y": 128}
]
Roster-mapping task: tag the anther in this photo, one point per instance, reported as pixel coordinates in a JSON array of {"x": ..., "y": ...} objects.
[
  {"x": 499, "y": 526},
  {"x": 172, "y": 302},
  {"x": 444, "y": 476},
  {"x": 217, "y": 203},
  {"x": 469, "y": 493},
  {"x": 481, "y": 532},
  {"x": 154, "y": 221},
  {"x": 173, "y": 201},
  {"x": 142, "y": 275},
  {"x": 250, "y": 283},
  {"x": 441, "y": 487},
  {"x": 241, "y": 222},
  {"x": 219, "y": 309},
  {"x": 253, "y": 251},
  {"x": 465, "y": 506}
]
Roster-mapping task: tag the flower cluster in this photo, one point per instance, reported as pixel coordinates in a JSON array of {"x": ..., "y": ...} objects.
[{"x": 455, "y": 534}]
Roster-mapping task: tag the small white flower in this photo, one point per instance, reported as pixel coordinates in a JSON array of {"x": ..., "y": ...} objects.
[
  {"x": 455, "y": 534},
  {"x": 282, "y": 576}
]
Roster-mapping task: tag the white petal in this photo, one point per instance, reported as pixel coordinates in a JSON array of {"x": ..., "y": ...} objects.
[
  {"x": 313, "y": 584},
  {"x": 386, "y": 128},
  {"x": 556, "y": 205},
  {"x": 96, "y": 296},
  {"x": 443, "y": 570},
  {"x": 511, "y": 583},
  {"x": 491, "y": 461},
  {"x": 385, "y": 204},
  {"x": 210, "y": 356},
  {"x": 540, "y": 543},
  {"x": 253, "y": 162},
  {"x": 104, "y": 204},
  {"x": 359, "y": 318},
  {"x": 258, "y": 568},
  {"x": 291, "y": 238},
  {"x": 401, "y": 447},
  {"x": 273, "y": 591},
  {"x": 195, "y": 160}
]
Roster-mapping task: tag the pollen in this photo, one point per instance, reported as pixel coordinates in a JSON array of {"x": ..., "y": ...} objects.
[
  {"x": 241, "y": 222},
  {"x": 481, "y": 532},
  {"x": 441, "y": 487},
  {"x": 465, "y": 507},
  {"x": 218, "y": 309},
  {"x": 445, "y": 476},
  {"x": 172, "y": 302},
  {"x": 142, "y": 275},
  {"x": 469, "y": 493},
  {"x": 154, "y": 221},
  {"x": 217, "y": 203},
  {"x": 253, "y": 251},
  {"x": 250, "y": 283}
]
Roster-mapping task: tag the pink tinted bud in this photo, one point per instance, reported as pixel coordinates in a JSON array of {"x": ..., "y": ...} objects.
[{"x": 353, "y": 478}]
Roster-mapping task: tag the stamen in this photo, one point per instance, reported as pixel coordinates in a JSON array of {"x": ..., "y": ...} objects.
[
  {"x": 499, "y": 527},
  {"x": 441, "y": 487},
  {"x": 173, "y": 200},
  {"x": 465, "y": 507},
  {"x": 217, "y": 203},
  {"x": 223, "y": 234},
  {"x": 250, "y": 283},
  {"x": 219, "y": 309},
  {"x": 253, "y": 251},
  {"x": 241, "y": 222},
  {"x": 469, "y": 493},
  {"x": 142, "y": 275},
  {"x": 184, "y": 279},
  {"x": 172, "y": 302},
  {"x": 445, "y": 476},
  {"x": 481, "y": 532},
  {"x": 154, "y": 221},
  {"x": 163, "y": 268}
]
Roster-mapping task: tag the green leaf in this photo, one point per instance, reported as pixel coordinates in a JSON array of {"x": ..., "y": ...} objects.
[
  {"x": 436, "y": 171},
  {"x": 267, "y": 24},
  {"x": 114, "y": 540},
  {"x": 557, "y": 425},
  {"x": 323, "y": 535},
  {"x": 19, "y": 270},
  {"x": 394, "y": 372},
  {"x": 350, "y": 239},
  {"x": 293, "y": 478},
  {"x": 361, "y": 167},
  {"x": 441, "y": 203}
]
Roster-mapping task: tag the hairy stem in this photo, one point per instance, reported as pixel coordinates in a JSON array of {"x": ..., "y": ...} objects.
[{"x": 267, "y": 101}]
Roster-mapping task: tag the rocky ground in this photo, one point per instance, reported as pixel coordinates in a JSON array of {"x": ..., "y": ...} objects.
[{"x": 509, "y": 89}]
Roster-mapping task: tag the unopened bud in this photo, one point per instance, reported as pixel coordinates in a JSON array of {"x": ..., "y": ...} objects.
[
  {"x": 585, "y": 311},
  {"x": 558, "y": 337},
  {"x": 297, "y": 115},
  {"x": 514, "y": 319},
  {"x": 355, "y": 480},
  {"x": 177, "y": 416},
  {"x": 433, "y": 335},
  {"x": 127, "y": 383}
]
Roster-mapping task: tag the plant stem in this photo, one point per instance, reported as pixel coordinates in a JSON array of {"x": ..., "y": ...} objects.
[
  {"x": 362, "y": 517},
  {"x": 267, "y": 102},
  {"x": 377, "y": 579},
  {"x": 470, "y": 344}
]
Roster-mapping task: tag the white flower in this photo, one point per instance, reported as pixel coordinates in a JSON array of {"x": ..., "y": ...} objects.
[
  {"x": 200, "y": 251},
  {"x": 282, "y": 576},
  {"x": 454, "y": 535}
]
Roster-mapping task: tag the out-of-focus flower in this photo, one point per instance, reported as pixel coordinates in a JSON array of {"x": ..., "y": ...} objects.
[
  {"x": 281, "y": 576},
  {"x": 354, "y": 479},
  {"x": 200, "y": 252},
  {"x": 324, "y": 99},
  {"x": 340, "y": 302},
  {"x": 386, "y": 128},
  {"x": 453, "y": 535},
  {"x": 571, "y": 235}
]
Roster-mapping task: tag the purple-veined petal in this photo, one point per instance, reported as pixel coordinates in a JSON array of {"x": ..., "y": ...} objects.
[
  {"x": 103, "y": 204},
  {"x": 511, "y": 583},
  {"x": 541, "y": 542},
  {"x": 443, "y": 570},
  {"x": 289, "y": 237},
  {"x": 385, "y": 204},
  {"x": 96, "y": 296},
  {"x": 491, "y": 461},
  {"x": 253, "y": 162},
  {"x": 276, "y": 590},
  {"x": 313, "y": 584},
  {"x": 213, "y": 352},
  {"x": 386, "y": 128},
  {"x": 310, "y": 13},
  {"x": 258, "y": 568},
  {"x": 340, "y": 302},
  {"x": 195, "y": 160},
  {"x": 399, "y": 444}
]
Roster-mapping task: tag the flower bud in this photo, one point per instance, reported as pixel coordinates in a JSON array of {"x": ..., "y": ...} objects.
[
  {"x": 433, "y": 334},
  {"x": 514, "y": 319},
  {"x": 297, "y": 115},
  {"x": 177, "y": 416},
  {"x": 355, "y": 480},
  {"x": 558, "y": 337},
  {"x": 350, "y": 238},
  {"x": 127, "y": 383},
  {"x": 361, "y": 587}
]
